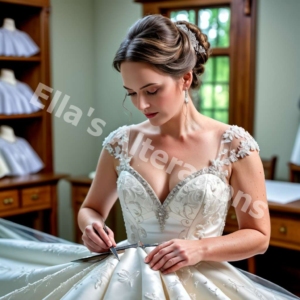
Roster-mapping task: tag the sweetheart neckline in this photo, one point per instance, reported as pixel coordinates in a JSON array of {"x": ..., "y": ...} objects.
[{"x": 177, "y": 186}]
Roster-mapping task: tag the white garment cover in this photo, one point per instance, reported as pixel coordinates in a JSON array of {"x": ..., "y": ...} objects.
[
  {"x": 195, "y": 209},
  {"x": 20, "y": 158},
  {"x": 16, "y": 43},
  {"x": 4, "y": 170},
  {"x": 15, "y": 99}
]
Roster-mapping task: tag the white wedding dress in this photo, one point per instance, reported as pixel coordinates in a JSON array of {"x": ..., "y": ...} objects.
[{"x": 196, "y": 208}]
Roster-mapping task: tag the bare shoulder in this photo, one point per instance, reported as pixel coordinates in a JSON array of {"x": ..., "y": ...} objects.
[{"x": 218, "y": 127}]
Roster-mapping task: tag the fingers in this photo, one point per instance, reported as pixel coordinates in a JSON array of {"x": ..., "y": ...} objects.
[
  {"x": 96, "y": 239},
  {"x": 174, "y": 268},
  {"x": 156, "y": 250},
  {"x": 168, "y": 257},
  {"x": 111, "y": 236}
]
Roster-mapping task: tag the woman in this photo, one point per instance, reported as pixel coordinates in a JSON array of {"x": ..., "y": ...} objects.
[
  {"x": 160, "y": 62},
  {"x": 176, "y": 175}
]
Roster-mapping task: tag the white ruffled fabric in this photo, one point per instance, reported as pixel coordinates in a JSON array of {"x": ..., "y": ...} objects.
[
  {"x": 4, "y": 169},
  {"x": 20, "y": 157},
  {"x": 17, "y": 43},
  {"x": 16, "y": 99}
]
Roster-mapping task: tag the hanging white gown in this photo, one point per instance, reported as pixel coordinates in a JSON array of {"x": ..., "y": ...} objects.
[
  {"x": 16, "y": 99},
  {"x": 20, "y": 158},
  {"x": 17, "y": 43},
  {"x": 195, "y": 209}
]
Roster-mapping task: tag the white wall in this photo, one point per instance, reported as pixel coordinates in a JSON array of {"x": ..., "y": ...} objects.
[
  {"x": 112, "y": 20},
  {"x": 73, "y": 67},
  {"x": 278, "y": 80}
]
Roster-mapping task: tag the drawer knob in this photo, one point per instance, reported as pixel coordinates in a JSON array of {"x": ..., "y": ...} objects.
[
  {"x": 8, "y": 201},
  {"x": 233, "y": 216},
  {"x": 34, "y": 197},
  {"x": 283, "y": 229}
]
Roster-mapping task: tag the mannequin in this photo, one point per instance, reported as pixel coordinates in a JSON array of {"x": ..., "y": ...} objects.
[
  {"x": 9, "y": 24},
  {"x": 7, "y": 133},
  {"x": 8, "y": 76}
]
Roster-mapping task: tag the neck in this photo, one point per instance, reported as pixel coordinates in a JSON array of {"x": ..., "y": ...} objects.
[
  {"x": 9, "y": 24},
  {"x": 7, "y": 133},
  {"x": 8, "y": 76},
  {"x": 185, "y": 122}
]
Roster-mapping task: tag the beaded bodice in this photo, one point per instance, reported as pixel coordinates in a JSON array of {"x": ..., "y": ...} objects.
[{"x": 195, "y": 208}]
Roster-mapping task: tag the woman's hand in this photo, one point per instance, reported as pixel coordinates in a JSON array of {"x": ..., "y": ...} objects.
[
  {"x": 95, "y": 238},
  {"x": 172, "y": 255}
]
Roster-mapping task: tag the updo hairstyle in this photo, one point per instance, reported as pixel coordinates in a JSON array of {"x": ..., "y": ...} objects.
[{"x": 157, "y": 40}]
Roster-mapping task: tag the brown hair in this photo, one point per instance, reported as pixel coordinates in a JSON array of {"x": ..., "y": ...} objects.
[{"x": 157, "y": 40}]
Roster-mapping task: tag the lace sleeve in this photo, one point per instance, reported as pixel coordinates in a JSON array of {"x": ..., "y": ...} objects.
[
  {"x": 243, "y": 146},
  {"x": 115, "y": 142}
]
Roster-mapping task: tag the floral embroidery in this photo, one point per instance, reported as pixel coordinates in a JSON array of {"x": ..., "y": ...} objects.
[
  {"x": 172, "y": 285},
  {"x": 250, "y": 289},
  {"x": 103, "y": 273},
  {"x": 127, "y": 277},
  {"x": 151, "y": 296}
]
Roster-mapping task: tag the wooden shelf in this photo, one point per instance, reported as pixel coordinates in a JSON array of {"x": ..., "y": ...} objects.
[
  {"x": 22, "y": 116},
  {"x": 39, "y": 3},
  {"x": 20, "y": 58},
  {"x": 30, "y": 180},
  {"x": 31, "y": 200}
]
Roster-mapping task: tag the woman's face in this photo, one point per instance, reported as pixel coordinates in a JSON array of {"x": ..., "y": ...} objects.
[{"x": 152, "y": 92}]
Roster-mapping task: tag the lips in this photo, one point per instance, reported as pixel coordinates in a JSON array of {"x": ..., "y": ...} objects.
[{"x": 150, "y": 115}]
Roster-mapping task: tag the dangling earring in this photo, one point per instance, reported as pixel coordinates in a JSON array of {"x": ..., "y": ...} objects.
[{"x": 186, "y": 98}]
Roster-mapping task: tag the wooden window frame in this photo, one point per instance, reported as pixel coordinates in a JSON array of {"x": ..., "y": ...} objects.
[{"x": 242, "y": 51}]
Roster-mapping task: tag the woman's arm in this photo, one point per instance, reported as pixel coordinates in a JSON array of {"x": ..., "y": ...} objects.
[
  {"x": 97, "y": 204},
  {"x": 252, "y": 238},
  {"x": 253, "y": 235}
]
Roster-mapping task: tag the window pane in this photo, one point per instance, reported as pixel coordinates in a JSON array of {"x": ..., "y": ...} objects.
[
  {"x": 213, "y": 96},
  {"x": 215, "y": 23},
  {"x": 184, "y": 15}
]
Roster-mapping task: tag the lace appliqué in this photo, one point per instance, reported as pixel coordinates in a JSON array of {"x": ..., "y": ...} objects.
[
  {"x": 127, "y": 277},
  {"x": 119, "y": 139}
]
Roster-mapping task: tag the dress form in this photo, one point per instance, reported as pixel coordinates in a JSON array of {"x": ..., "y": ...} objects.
[
  {"x": 8, "y": 76},
  {"x": 7, "y": 133},
  {"x": 9, "y": 24}
]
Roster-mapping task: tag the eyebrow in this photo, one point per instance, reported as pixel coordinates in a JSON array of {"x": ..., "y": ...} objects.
[{"x": 141, "y": 87}]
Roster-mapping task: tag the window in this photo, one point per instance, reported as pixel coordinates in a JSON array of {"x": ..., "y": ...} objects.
[
  {"x": 227, "y": 89},
  {"x": 212, "y": 99}
]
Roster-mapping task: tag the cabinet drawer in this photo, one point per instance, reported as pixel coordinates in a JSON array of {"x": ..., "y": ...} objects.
[
  {"x": 36, "y": 196},
  {"x": 285, "y": 229},
  {"x": 79, "y": 193},
  {"x": 9, "y": 200}
]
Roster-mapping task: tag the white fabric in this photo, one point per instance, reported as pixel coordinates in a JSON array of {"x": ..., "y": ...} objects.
[
  {"x": 20, "y": 157},
  {"x": 17, "y": 43},
  {"x": 4, "y": 169},
  {"x": 16, "y": 99},
  {"x": 196, "y": 208}
]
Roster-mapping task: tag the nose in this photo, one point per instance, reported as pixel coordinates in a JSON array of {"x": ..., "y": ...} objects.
[{"x": 142, "y": 103}]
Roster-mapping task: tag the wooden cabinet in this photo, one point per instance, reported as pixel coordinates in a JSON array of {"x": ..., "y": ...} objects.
[
  {"x": 31, "y": 200},
  {"x": 294, "y": 172},
  {"x": 80, "y": 187}
]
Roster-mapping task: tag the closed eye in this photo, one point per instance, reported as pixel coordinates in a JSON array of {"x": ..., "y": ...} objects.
[{"x": 132, "y": 94}]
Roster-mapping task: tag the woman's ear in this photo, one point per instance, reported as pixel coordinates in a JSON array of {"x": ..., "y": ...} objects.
[{"x": 187, "y": 78}]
